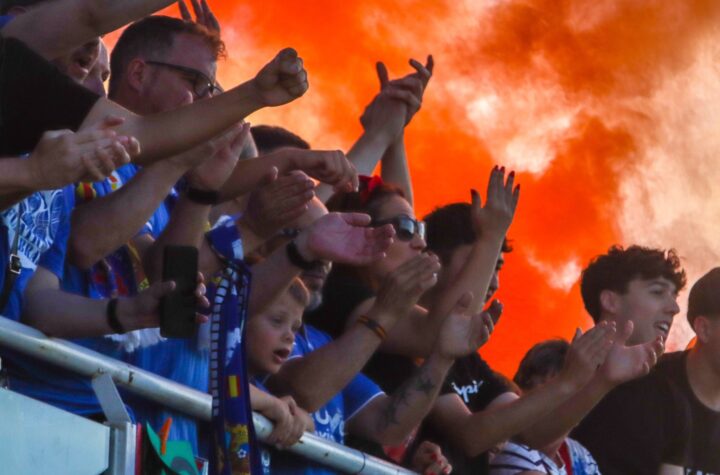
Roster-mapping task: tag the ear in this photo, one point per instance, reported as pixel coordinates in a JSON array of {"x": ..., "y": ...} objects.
[
  {"x": 702, "y": 327},
  {"x": 136, "y": 74},
  {"x": 609, "y": 302}
]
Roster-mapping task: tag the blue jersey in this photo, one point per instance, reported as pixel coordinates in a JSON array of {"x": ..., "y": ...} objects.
[
  {"x": 44, "y": 229},
  {"x": 331, "y": 418}
]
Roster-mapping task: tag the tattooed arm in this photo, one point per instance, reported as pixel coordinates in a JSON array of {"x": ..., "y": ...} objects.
[{"x": 390, "y": 419}]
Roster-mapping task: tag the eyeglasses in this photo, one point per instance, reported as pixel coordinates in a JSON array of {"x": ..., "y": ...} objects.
[
  {"x": 406, "y": 228},
  {"x": 202, "y": 85}
]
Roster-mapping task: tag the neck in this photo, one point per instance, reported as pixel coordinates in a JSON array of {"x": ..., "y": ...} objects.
[
  {"x": 129, "y": 101},
  {"x": 551, "y": 451},
  {"x": 704, "y": 378}
]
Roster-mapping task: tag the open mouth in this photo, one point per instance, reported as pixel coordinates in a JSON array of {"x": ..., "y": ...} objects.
[
  {"x": 281, "y": 355},
  {"x": 663, "y": 327}
]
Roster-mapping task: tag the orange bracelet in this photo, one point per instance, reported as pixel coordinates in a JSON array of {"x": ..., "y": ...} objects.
[{"x": 373, "y": 325}]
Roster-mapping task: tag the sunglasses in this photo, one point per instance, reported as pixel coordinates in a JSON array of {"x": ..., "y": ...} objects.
[
  {"x": 202, "y": 85},
  {"x": 406, "y": 228}
]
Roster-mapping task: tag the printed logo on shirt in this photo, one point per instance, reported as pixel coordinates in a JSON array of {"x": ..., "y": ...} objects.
[
  {"x": 465, "y": 391},
  {"x": 41, "y": 215},
  {"x": 330, "y": 427}
]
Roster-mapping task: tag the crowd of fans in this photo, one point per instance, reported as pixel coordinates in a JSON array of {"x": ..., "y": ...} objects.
[{"x": 363, "y": 322}]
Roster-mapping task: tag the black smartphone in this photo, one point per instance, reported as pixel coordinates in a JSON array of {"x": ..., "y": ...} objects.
[{"x": 178, "y": 308}]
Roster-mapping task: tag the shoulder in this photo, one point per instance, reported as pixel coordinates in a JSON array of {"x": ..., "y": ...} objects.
[{"x": 517, "y": 458}]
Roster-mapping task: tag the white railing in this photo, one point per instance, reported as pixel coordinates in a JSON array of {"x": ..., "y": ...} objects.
[{"x": 181, "y": 398}]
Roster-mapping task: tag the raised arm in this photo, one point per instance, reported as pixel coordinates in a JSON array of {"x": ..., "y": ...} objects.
[
  {"x": 478, "y": 432},
  {"x": 63, "y": 157},
  {"x": 103, "y": 224},
  {"x": 281, "y": 81},
  {"x": 318, "y": 376},
  {"x": 389, "y": 419},
  {"x": 383, "y": 124},
  {"x": 65, "y": 315},
  {"x": 58, "y": 27},
  {"x": 622, "y": 364},
  {"x": 189, "y": 218}
]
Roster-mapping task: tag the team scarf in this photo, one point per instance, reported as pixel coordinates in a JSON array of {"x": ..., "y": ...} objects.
[{"x": 234, "y": 450}]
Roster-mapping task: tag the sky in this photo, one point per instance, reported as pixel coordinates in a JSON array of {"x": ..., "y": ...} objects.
[{"x": 606, "y": 110}]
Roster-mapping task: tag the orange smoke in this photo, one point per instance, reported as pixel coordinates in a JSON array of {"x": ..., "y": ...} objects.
[{"x": 604, "y": 108}]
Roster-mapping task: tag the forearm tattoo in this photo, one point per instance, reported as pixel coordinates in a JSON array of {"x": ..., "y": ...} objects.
[{"x": 421, "y": 382}]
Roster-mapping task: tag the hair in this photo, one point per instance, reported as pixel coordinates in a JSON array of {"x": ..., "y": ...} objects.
[
  {"x": 449, "y": 227},
  {"x": 299, "y": 293},
  {"x": 704, "y": 297},
  {"x": 614, "y": 271},
  {"x": 543, "y": 361},
  {"x": 361, "y": 202},
  {"x": 7, "y": 5},
  {"x": 271, "y": 137},
  {"x": 154, "y": 36}
]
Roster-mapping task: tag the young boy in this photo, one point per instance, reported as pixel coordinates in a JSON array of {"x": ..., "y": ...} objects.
[{"x": 270, "y": 339}]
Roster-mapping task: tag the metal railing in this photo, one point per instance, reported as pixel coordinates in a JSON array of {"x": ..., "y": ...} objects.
[{"x": 181, "y": 398}]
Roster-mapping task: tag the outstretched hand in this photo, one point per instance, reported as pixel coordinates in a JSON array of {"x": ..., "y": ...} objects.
[
  {"x": 502, "y": 198},
  {"x": 462, "y": 334},
  {"x": 327, "y": 166},
  {"x": 278, "y": 202},
  {"x": 282, "y": 80},
  {"x": 624, "y": 363},
  {"x": 587, "y": 352},
  {"x": 63, "y": 157},
  {"x": 344, "y": 238},
  {"x": 403, "y": 287},
  {"x": 217, "y": 158},
  {"x": 398, "y": 100}
]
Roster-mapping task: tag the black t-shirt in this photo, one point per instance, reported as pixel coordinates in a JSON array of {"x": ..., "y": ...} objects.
[
  {"x": 702, "y": 453},
  {"x": 35, "y": 97},
  {"x": 478, "y": 385},
  {"x": 639, "y": 425}
]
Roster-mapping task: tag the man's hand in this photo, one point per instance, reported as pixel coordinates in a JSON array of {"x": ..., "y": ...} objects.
[
  {"x": 143, "y": 310},
  {"x": 203, "y": 15},
  {"x": 290, "y": 422},
  {"x": 328, "y": 166},
  {"x": 63, "y": 157},
  {"x": 221, "y": 154},
  {"x": 496, "y": 216},
  {"x": 278, "y": 202},
  {"x": 624, "y": 363},
  {"x": 344, "y": 238},
  {"x": 282, "y": 80},
  {"x": 587, "y": 352},
  {"x": 397, "y": 102},
  {"x": 408, "y": 89},
  {"x": 403, "y": 287},
  {"x": 462, "y": 334}
]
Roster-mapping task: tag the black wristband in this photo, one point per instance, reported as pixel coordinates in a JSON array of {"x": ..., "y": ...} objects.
[
  {"x": 202, "y": 197},
  {"x": 296, "y": 259},
  {"x": 112, "y": 318}
]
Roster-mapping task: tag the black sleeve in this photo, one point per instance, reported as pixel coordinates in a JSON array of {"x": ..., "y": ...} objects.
[{"x": 35, "y": 97}]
